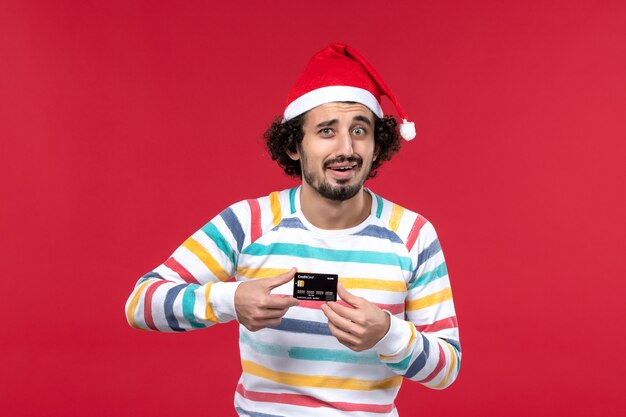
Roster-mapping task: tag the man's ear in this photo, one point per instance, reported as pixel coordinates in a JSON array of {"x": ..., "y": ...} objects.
[{"x": 294, "y": 155}]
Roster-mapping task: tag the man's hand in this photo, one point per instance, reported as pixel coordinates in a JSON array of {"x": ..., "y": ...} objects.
[
  {"x": 358, "y": 327},
  {"x": 256, "y": 308}
]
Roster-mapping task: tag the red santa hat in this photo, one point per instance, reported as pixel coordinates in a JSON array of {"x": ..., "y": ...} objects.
[{"x": 339, "y": 73}]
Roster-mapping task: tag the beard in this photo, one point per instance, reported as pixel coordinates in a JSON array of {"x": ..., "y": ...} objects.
[{"x": 341, "y": 191}]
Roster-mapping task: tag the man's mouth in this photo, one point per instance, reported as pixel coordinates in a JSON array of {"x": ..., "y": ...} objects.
[
  {"x": 343, "y": 164},
  {"x": 343, "y": 167},
  {"x": 342, "y": 170}
]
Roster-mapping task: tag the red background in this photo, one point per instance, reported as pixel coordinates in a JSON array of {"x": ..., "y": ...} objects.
[{"x": 124, "y": 126}]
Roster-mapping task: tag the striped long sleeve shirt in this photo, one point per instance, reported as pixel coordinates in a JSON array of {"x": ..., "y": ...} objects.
[{"x": 393, "y": 259}]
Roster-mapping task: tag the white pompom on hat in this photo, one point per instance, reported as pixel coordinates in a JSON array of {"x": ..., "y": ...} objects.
[{"x": 339, "y": 73}]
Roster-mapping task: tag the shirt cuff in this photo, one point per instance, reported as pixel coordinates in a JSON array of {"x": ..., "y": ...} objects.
[
  {"x": 222, "y": 300},
  {"x": 397, "y": 338}
]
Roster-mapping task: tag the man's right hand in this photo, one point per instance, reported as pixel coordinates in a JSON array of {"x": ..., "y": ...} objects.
[{"x": 256, "y": 308}]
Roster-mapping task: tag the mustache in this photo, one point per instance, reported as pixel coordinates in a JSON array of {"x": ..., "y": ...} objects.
[{"x": 340, "y": 159}]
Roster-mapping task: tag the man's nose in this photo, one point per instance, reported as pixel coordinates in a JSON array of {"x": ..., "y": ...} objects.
[{"x": 344, "y": 144}]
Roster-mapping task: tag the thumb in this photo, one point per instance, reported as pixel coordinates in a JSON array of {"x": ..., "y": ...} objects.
[
  {"x": 346, "y": 296},
  {"x": 281, "y": 279}
]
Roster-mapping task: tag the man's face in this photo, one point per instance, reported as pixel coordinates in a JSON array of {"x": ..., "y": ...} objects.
[{"x": 337, "y": 150}]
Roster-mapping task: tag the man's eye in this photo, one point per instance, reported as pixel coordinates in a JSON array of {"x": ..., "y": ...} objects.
[
  {"x": 358, "y": 131},
  {"x": 326, "y": 131}
]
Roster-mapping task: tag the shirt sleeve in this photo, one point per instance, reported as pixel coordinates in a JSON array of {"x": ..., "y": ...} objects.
[
  {"x": 192, "y": 288},
  {"x": 425, "y": 346}
]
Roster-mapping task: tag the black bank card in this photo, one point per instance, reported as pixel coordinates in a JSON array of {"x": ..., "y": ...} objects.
[{"x": 317, "y": 287}]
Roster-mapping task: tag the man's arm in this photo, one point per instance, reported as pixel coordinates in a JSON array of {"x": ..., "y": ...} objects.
[
  {"x": 425, "y": 345},
  {"x": 189, "y": 290}
]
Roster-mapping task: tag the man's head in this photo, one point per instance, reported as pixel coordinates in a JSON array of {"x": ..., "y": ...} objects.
[
  {"x": 336, "y": 81},
  {"x": 285, "y": 139}
]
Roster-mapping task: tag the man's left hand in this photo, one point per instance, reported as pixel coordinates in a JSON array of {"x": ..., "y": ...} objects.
[{"x": 360, "y": 325}]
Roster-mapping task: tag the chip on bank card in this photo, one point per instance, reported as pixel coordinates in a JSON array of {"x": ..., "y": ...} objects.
[{"x": 317, "y": 287}]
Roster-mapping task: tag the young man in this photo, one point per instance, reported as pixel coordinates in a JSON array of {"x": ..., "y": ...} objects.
[{"x": 394, "y": 317}]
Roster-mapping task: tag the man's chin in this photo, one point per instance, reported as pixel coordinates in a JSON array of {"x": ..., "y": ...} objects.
[{"x": 339, "y": 192}]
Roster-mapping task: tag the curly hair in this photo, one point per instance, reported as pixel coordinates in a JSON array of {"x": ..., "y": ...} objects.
[{"x": 282, "y": 137}]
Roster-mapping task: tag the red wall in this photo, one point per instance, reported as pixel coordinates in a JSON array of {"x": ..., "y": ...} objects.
[{"x": 124, "y": 126}]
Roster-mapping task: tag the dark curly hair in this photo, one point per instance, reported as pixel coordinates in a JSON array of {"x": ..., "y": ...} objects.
[{"x": 282, "y": 137}]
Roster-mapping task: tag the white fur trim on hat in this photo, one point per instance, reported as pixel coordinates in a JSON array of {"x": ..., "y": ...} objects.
[{"x": 331, "y": 94}]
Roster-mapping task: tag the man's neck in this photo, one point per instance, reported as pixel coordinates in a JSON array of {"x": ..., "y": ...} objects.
[{"x": 328, "y": 214}]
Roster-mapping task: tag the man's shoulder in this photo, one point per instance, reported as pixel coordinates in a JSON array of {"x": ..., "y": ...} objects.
[
  {"x": 282, "y": 199},
  {"x": 247, "y": 220},
  {"x": 389, "y": 212},
  {"x": 269, "y": 208},
  {"x": 407, "y": 224}
]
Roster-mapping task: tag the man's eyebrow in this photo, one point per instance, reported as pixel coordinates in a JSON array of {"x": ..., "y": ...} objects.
[
  {"x": 363, "y": 119},
  {"x": 359, "y": 118},
  {"x": 326, "y": 123}
]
